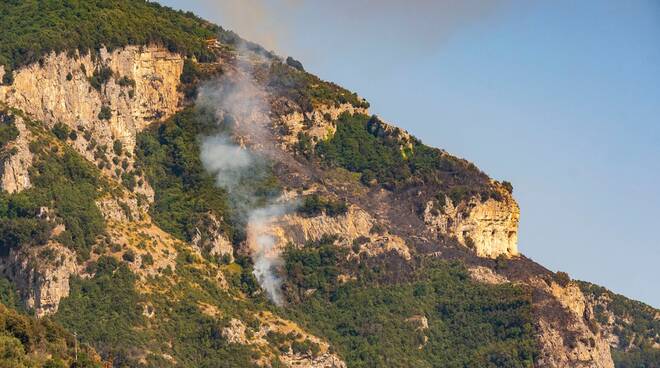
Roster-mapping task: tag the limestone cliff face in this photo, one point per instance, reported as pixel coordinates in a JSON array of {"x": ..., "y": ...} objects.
[
  {"x": 356, "y": 227},
  {"x": 236, "y": 332},
  {"x": 490, "y": 228},
  {"x": 14, "y": 175},
  {"x": 41, "y": 275},
  {"x": 142, "y": 87},
  {"x": 318, "y": 124},
  {"x": 570, "y": 339},
  {"x": 210, "y": 238}
]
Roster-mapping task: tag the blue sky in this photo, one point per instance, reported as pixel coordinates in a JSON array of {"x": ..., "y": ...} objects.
[{"x": 562, "y": 98}]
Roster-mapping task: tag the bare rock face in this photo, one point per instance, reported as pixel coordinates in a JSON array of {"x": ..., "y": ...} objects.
[
  {"x": 490, "y": 228},
  {"x": 236, "y": 332},
  {"x": 569, "y": 337},
  {"x": 486, "y": 275},
  {"x": 317, "y": 125},
  {"x": 14, "y": 176},
  {"x": 210, "y": 238},
  {"x": 141, "y": 87},
  {"x": 41, "y": 275},
  {"x": 354, "y": 227}
]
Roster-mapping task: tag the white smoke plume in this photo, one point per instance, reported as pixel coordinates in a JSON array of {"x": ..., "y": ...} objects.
[
  {"x": 225, "y": 160},
  {"x": 243, "y": 115},
  {"x": 265, "y": 255}
]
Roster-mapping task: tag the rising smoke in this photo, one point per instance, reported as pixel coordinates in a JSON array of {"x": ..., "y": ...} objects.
[{"x": 243, "y": 115}]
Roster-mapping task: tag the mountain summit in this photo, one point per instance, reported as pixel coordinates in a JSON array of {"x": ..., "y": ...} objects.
[{"x": 176, "y": 196}]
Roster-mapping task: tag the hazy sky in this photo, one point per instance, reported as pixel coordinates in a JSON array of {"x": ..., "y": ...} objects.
[{"x": 562, "y": 98}]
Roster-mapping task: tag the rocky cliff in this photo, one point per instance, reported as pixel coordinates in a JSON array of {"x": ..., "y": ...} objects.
[
  {"x": 424, "y": 242},
  {"x": 103, "y": 97},
  {"x": 489, "y": 228}
]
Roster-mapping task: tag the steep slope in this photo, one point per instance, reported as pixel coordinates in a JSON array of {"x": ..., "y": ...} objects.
[{"x": 180, "y": 197}]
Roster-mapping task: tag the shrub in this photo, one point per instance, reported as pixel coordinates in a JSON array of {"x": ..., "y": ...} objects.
[
  {"x": 315, "y": 205},
  {"x": 147, "y": 259},
  {"x": 61, "y": 131},
  {"x": 100, "y": 77},
  {"x": 129, "y": 256},
  {"x": 126, "y": 82},
  {"x": 105, "y": 113},
  {"x": 562, "y": 278},
  {"x": 8, "y": 130},
  {"x": 366, "y": 145},
  {"x": 117, "y": 147},
  {"x": 294, "y": 64},
  {"x": 8, "y": 78},
  {"x": 508, "y": 186}
]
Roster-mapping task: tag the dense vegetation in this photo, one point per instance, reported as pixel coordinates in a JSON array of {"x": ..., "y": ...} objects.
[
  {"x": 185, "y": 192},
  {"x": 64, "y": 183},
  {"x": 28, "y": 342},
  {"x": 105, "y": 310},
  {"x": 33, "y": 28},
  {"x": 169, "y": 153},
  {"x": 8, "y": 130},
  {"x": 376, "y": 324},
  {"x": 109, "y": 313},
  {"x": 315, "y": 205},
  {"x": 635, "y": 324},
  {"x": 362, "y": 145},
  {"x": 306, "y": 89}
]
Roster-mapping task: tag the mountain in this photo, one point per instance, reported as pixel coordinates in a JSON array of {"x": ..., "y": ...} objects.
[{"x": 176, "y": 196}]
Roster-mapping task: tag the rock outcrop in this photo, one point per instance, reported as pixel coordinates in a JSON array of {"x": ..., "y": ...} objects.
[
  {"x": 490, "y": 228},
  {"x": 567, "y": 332},
  {"x": 210, "y": 238},
  {"x": 41, "y": 275},
  {"x": 318, "y": 124},
  {"x": 356, "y": 229},
  {"x": 105, "y": 97},
  {"x": 236, "y": 332},
  {"x": 15, "y": 176}
]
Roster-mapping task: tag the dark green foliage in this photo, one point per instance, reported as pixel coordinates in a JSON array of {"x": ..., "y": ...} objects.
[
  {"x": 372, "y": 324},
  {"x": 129, "y": 256},
  {"x": 307, "y": 89},
  {"x": 190, "y": 78},
  {"x": 562, "y": 278},
  {"x": 147, "y": 259},
  {"x": 294, "y": 64},
  {"x": 185, "y": 192},
  {"x": 635, "y": 324},
  {"x": 33, "y": 28},
  {"x": 26, "y": 341},
  {"x": 508, "y": 186},
  {"x": 67, "y": 184},
  {"x": 8, "y": 130},
  {"x": 117, "y": 147},
  {"x": 315, "y": 205},
  {"x": 8, "y": 295},
  {"x": 126, "y": 82},
  {"x": 304, "y": 146},
  {"x": 362, "y": 145},
  {"x": 17, "y": 231},
  {"x": 100, "y": 77},
  {"x": 8, "y": 78},
  {"x": 105, "y": 310},
  {"x": 70, "y": 184},
  {"x": 105, "y": 113},
  {"x": 315, "y": 266},
  {"x": 637, "y": 357},
  {"x": 61, "y": 131},
  {"x": 129, "y": 180}
]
